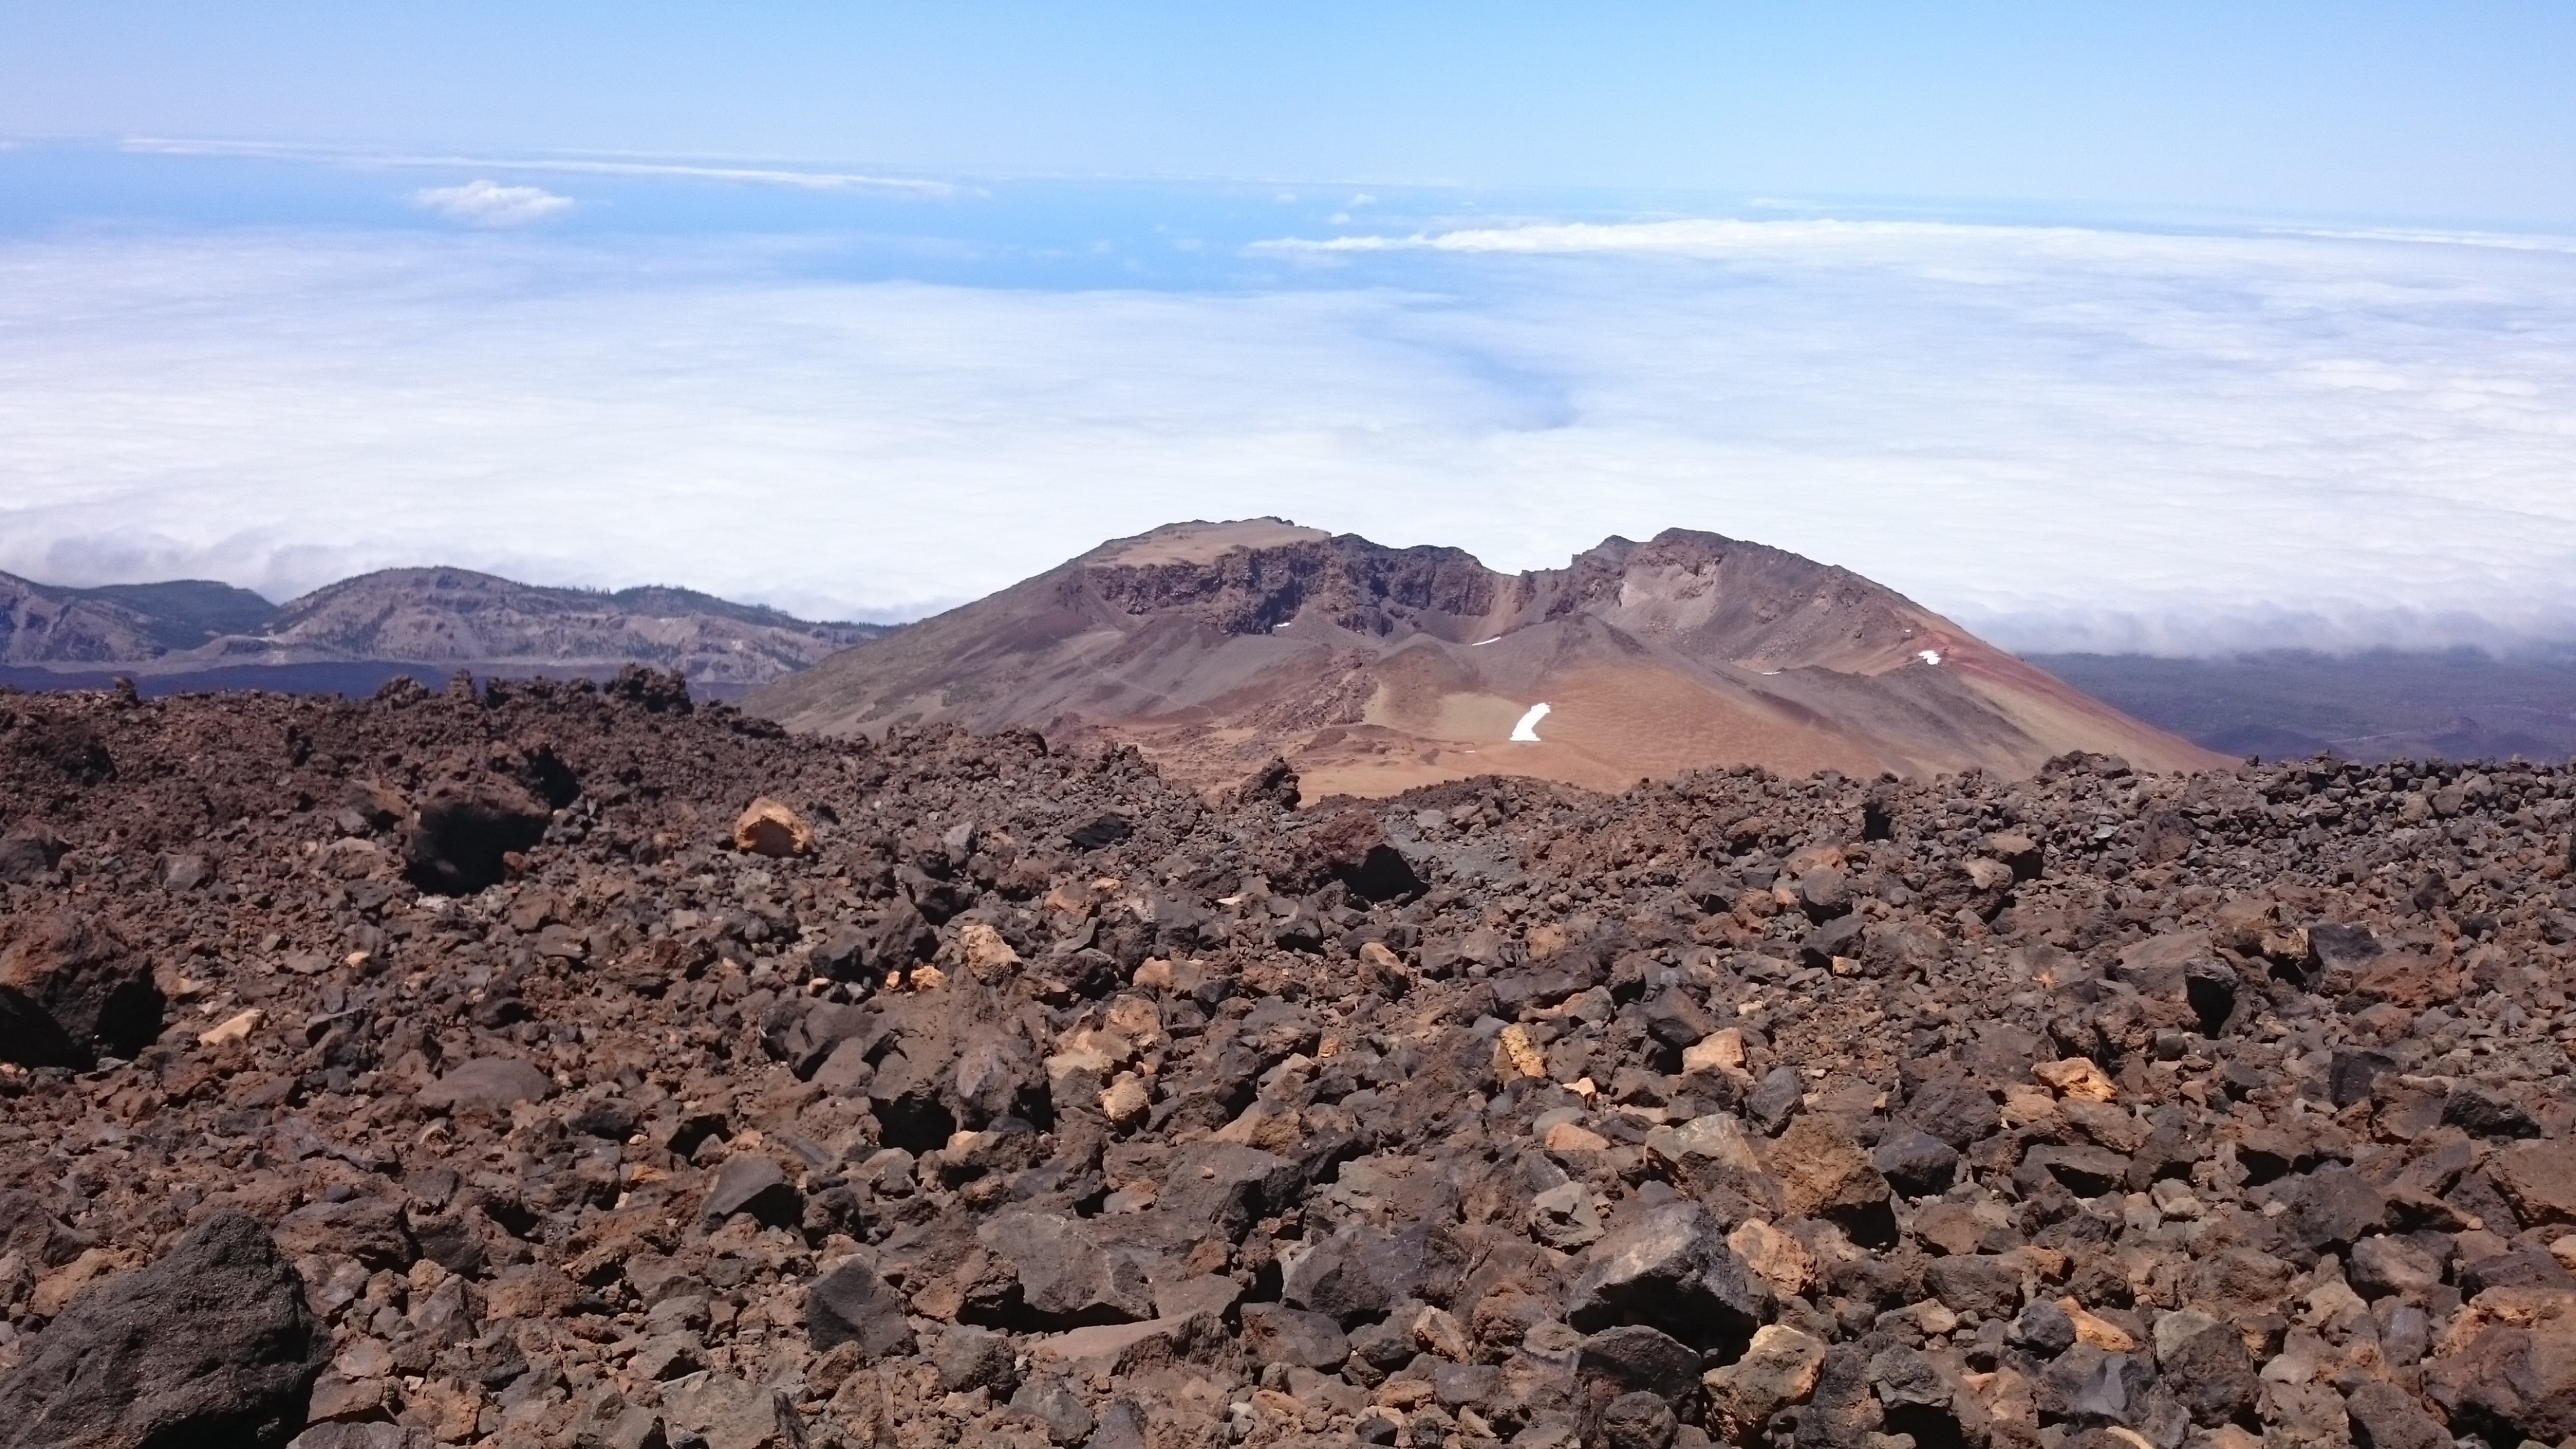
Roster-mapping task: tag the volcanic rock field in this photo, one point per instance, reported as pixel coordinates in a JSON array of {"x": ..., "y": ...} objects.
[{"x": 544, "y": 1065}]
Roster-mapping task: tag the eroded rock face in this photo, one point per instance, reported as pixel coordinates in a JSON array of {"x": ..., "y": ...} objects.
[
  {"x": 211, "y": 1345},
  {"x": 971, "y": 1123}
]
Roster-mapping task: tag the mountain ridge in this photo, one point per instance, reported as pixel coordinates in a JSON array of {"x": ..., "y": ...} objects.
[
  {"x": 1215, "y": 645},
  {"x": 438, "y": 616}
]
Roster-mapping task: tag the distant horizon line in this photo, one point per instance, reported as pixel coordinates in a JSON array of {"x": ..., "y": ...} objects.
[{"x": 928, "y": 180}]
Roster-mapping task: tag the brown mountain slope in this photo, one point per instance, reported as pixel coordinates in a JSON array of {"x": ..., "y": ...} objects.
[{"x": 1215, "y": 645}]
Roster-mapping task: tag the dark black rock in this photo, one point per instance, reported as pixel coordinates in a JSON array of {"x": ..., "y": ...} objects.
[
  {"x": 1105, "y": 830},
  {"x": 1915, "y": 1163},
  {"x": 211, "y": 1346},
  {"x": 1955, "y": 1110},
  {"x": 2480, "y": 1114},
  {"x": 1638, "y": 1420},
  {"x": 2353, "y": 1073},
  {"x": 2336, "y": 1207},
  {"x": 974, "y": 1358},
  {"x": 2043, "y": 1330},
  {"x": 1635, "y": 1357},
  {"x": 1776, "y": 1099},
  {"x": 1981, "y": 1283},
  {"x": 1669, "y": 1268},
  {"x": 2384, "y": 1416},
  {"x": 852, "y": 1304},
  {"x": 2213, "y": 1376}
]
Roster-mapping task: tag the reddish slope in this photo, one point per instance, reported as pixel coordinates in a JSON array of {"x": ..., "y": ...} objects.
[{"x": 1214, "y": 646}]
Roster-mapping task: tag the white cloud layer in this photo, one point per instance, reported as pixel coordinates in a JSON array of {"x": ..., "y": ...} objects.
[
  {"x": 489, "y": 203},
  {"x": 551, "y": 165},
  {"x": 2064, "y": 438}
]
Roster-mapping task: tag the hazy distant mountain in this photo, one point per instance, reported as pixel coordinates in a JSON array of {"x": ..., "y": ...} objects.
[
  {"x": 2457, "y": 704},
  {"x": 441, "y": 617},
  {"x": 43, "y": 624},
  {"x": 1214, "y": 646}
]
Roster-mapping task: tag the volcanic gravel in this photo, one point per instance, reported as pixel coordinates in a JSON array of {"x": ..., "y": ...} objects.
[{"x": 438, "y": 1069}]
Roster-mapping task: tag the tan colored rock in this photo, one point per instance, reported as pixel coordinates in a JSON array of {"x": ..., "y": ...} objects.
[
  {"x": 1126, "y": 1102},
  {"x": 985, "y": 953},
  {"x": 1719, "y": 1051},
  {"x": 236, "y": 1027},
  {"x": 1987, "y": 875},
  {"x": 1382, "y": 971},
  {"x": 354, "y": 858},
  {"x": 770, "y": 828},
  {"x": 530, "y": 1292},
  {"x": 2028, "y": 1106},
  {"x": 1517, "y": 1058},
  {"x": 1779, "y": 1369},
  {"x": 2412, "y": 980},
  {"x": 1807, "y": 858},
  {"x": 1072, "y": 900},
  {"x": 1436, "y": 1332},
  {"x": 1775, "y": 1257},
  {"x": 2099, "y": 1332},
  {"x": 1079, "y": 1058},
  {"x": 450, "y": 1407},
  {"x": 1568, "y": 1137},
  {"x": 1822, "y": 1171},
  {"x": 1134, "y": 1018},
  {"x": 2008, "y": 1397},
  {"x": 2077, "y": 1078}
]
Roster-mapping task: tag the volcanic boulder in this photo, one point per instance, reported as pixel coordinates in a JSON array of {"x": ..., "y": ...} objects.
[
  {"x": 211, "y": 1347},
  {"x": 68, "y": 989}
]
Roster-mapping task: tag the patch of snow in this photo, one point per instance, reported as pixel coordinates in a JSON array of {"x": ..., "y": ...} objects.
[
  {"x": 1930, "y": 656},
  {"x": 1481, "y": 643},
  {"x": 1527, "y": 730}
]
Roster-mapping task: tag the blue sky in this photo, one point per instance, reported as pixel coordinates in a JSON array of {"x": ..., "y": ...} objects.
[
  {"x": 2425, "y": 111},
  {"x": 2179, "y": 327}
]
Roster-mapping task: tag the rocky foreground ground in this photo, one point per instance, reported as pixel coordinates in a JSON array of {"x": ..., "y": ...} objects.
[{"x": 491, "y": 1068}]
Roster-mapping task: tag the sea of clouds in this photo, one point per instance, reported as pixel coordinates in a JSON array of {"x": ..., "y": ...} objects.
[{"x": 2063, "y": 437}]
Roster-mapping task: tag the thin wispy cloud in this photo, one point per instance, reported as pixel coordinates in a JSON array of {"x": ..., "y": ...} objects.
[
  {"x": 551, "y": 165},
  {"x": 2061, "y": 436},
  {"x": 489, "y": 203}
]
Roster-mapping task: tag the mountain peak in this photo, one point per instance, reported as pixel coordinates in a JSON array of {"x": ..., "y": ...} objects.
[{"x": 1376, "y": 669}]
